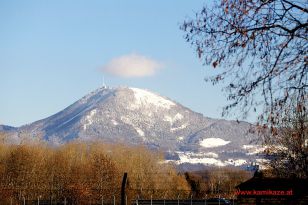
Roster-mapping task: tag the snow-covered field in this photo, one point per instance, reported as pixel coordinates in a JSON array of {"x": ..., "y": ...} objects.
[
  {"x": 213, "y": 142},
  {"x": 209, "y": 158}
]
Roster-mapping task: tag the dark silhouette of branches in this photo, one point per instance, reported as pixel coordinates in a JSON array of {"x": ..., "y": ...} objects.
[{"x": 261, "y": 47}]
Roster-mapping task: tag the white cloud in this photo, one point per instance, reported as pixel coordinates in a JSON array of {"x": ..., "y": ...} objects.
[{"x": 132, "y": 65}]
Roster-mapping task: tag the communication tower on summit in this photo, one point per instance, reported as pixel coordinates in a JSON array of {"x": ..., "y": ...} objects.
[{"x": 104, "y": 85}]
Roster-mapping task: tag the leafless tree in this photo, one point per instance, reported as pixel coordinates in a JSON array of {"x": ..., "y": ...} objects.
[
  {"x": 261, "y": 49},
  {"x": 288, "y": 149}
]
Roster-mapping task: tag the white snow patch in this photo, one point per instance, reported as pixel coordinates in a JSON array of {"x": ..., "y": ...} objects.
[
  {"x": 237, "y": 162},
  {"x": 262, "y": 160},
  {"x": 254, "y": 149},
  {"x": 192, "y": 158},
  {"x": 248, "y": 146},
  {"x": 114, "y": 122},
  {"x": 126, "y": 120},
  {"x": 257, "y": 149},
  {"x": 178, "y": 116},
  {"x": 211, "y": 154},
  {"x": 263, "y": 163},
  {"x": 180, "y": 138},
  {"x": 164, "y": 161},
  {"x": 179, "y": 128},
  {"x": 280, "y": 147},
  {"x": 213, "y": 142},
  {"x": 170, "y": 119},
  {"x": 167, "y": 118},
  {"x": 140, "y": 132},
  {"x": 89, "y": 119},
  {"x": 209, "y": 158},
  {"x": 143, "y": 97},
  {"x": 129, "y": 122}
]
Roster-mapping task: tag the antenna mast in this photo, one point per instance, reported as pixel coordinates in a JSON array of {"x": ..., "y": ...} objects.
[{"x": 104, "y": 85}]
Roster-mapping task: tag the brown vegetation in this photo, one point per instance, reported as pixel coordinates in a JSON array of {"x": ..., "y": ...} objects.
[
  {"x": 85, "y": 173},
  {"x": 216, "y": 182},
  {"x": 81, "y": 173}
]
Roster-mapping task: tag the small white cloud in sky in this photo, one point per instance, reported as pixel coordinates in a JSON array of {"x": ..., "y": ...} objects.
[{"x": 132, "y": 65}]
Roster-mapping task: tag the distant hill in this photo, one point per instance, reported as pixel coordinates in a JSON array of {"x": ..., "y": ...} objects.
[
  {"x": 136, "y": 116},
  {"x": 6, "y": 128}
]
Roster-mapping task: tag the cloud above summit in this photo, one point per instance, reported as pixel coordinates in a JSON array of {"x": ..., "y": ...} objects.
[{"x": 132, "y": 66}]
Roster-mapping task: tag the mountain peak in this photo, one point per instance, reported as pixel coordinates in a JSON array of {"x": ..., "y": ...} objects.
[
  {"x": 138, "y": 97},
  {"x": 138, "y": 116},
  {"x": 143, "y": 97}
]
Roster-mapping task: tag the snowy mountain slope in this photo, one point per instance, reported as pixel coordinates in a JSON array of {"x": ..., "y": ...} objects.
[{"x": 137, "y": 116}]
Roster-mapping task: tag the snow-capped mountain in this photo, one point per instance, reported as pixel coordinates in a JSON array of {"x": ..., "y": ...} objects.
[{"x": 137, "y": 116}]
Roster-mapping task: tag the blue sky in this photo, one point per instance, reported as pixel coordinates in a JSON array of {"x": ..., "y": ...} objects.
[{"x": 54, "y": 52}]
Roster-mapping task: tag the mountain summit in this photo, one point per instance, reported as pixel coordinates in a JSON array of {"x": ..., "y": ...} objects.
[
  {"x": 137, "y": 116},
  {"x": 129, "y": 115}
]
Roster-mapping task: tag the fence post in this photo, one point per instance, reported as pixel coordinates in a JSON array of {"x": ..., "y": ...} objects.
[
  {"x": 11, "y": 201},
  {"x": 113, "y": 199},
  {"x": 38, "y": 200},
  {"x": 102, "y": 200},
  {"x": 124, "y": 180},
  {"x": 137, "y": 199},
  {"x": 65, "y": 201},
  {"x": 24, "y": 200},
  {"x": 178, "y": 199},
  {"x": 151, "y": 199}
]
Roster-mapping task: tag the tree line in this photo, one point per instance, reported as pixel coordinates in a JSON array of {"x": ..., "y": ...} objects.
[
  {"x": 84, "y": 172},
  {"x": 214, "y": 182}
]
